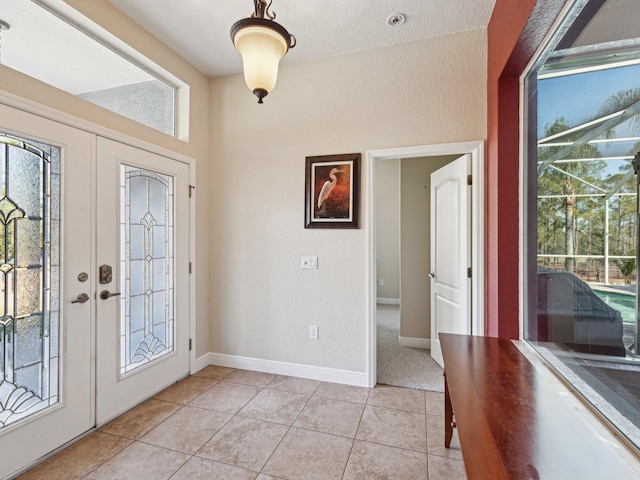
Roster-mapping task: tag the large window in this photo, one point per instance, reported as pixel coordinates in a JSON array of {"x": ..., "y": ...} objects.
[{"x": 583, "y": 133}]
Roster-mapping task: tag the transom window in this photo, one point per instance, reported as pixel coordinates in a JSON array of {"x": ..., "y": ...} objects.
[{"x": 54, "y": 47}]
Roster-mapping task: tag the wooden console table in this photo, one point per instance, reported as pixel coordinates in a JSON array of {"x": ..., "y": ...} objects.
[{"x": 514, "y": 423}]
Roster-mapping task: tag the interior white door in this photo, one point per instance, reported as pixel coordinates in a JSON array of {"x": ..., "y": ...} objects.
[
  {"x": 450, "y": 233},
  {"x": 46, "y": 380},
  {"x": 143, "y": 258}
]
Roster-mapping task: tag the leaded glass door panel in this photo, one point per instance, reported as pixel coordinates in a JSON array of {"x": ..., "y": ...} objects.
[
  {"x": 143, "y": 311},
  {"x": 45, "y": 238},
  {"x": 146, "y": 265}
]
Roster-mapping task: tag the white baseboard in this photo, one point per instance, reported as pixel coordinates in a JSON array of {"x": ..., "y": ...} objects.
[
  {"x": 324, "y": 374},
  {"x": 415, "y": 342},
  {"x": 388, "y": 301},
  {"x": 200, "y": 363}
]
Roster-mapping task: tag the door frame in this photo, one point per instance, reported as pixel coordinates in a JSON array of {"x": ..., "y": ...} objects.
[
  {"x": 54, "y": 115},
  {"x": 474, "y": 148}
]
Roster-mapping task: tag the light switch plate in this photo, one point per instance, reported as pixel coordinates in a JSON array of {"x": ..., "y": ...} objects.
[
  {"x": 309, "y": 262},
  {"x": 313, "y": 332}
]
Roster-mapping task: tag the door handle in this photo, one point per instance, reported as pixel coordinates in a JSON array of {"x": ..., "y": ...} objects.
[
  {"x": 83, "y": 297},
  {"x": 432, "y": 274},
  {"x": 104, "y": 294}
]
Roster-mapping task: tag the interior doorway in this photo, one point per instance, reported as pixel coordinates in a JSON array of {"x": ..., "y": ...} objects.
[
  {"x": 422, "y": 154},
  {"x": 403, "y": 234}
]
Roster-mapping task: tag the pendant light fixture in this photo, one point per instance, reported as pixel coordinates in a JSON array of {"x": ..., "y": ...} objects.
[{"x": 262, "y": 43}]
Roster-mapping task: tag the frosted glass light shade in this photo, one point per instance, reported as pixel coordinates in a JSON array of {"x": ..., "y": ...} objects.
[
  {"x": 261, "y": 49},
  {"x": 261, "y": 43}
]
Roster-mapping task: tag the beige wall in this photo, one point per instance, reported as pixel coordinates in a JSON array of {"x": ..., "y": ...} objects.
[
  {"x": 251, "y": 293},
  {"x": 198, "y": 147},
  {"x": 415, "y": 244},
  {"x": 262, "y": 303},
  {"x": 388, "y": 228}
]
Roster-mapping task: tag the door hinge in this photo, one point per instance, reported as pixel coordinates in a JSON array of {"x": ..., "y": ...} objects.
[
  {"x": 469, "y": 272},
  {"x": 469, "y": 180},
  {"x": 190, "y": 267},
  {"x": 191, "y": 187},
  {"x": 190, "y": 344}
]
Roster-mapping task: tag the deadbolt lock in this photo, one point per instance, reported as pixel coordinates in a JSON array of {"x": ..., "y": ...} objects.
[{"x": 106, "y": 274}]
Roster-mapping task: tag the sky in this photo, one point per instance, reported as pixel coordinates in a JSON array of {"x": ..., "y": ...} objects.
[{"x": 578, "y": 98}]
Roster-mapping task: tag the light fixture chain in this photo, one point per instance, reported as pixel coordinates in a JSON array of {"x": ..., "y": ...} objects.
[{"x": 261, "y": 9}]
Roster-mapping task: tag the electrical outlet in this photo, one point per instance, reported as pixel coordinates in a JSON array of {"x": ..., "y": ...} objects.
[
  {"x": 313, "y": 332},
  {"x": 381, "y": 282}
]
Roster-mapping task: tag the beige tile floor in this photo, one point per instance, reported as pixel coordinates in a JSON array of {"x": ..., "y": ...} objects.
[{"x": 231, "y": 424}]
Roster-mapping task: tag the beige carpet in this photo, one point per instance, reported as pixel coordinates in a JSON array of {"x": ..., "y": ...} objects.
[{"x": 403, "y": 366}]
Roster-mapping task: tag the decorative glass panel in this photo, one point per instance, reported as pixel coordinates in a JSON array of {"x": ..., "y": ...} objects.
[
  {"x": 147, "y": 329},
  {"x": 29, "y": 266}
]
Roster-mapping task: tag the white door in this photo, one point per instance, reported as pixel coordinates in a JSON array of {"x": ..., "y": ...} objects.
[
  {"x": 143, "y": 304},
  {"x": 450, "y": 233},
  {"x": 45, "y": 264}
]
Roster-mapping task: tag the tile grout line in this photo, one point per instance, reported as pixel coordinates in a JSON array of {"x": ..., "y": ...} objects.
[
  {"x": 182, "y": 405},
  {"x": 355, "y": 437},
  {"x": 288, "y": 429},
  {"x": 233, "y": 416},
  {"x": 270, "y": 385},
  {"x": 191, "y": 456}
]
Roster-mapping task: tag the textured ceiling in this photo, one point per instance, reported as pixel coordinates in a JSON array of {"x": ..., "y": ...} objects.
[
  {"x": 42, "y": 46},
  {"x": 198, "y": 30}
]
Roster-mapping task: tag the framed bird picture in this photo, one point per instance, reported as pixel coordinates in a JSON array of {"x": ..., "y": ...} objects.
[{"x": 332, "y": 191}]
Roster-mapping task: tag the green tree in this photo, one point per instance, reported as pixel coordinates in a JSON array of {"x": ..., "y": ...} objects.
[
  {"x": 563, "y": 180},
  {"x": 620, "y": 101}
]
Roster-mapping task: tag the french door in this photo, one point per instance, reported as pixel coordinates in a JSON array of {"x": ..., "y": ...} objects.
[
  {"x": 45, "y": 255},
  {"x": 94, "y": 313},
  {"x": 143, "y": 305}
]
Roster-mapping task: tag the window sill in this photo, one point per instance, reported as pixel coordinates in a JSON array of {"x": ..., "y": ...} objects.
[{"x": 621, "y": 448}]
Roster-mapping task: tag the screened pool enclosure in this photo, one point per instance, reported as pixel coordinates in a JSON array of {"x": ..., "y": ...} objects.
[
  {"x": 587, "y": 192},
  {"x": 581, "y": 163}
]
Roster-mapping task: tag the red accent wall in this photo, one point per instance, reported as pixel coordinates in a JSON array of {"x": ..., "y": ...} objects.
[{"x": 515, "y": 31}]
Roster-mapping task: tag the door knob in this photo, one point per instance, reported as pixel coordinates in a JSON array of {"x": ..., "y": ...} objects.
[
  {"x": 104, "y": 294},
  {"x": 432, "y": 274},
  {"x": 83, "y": 297}
]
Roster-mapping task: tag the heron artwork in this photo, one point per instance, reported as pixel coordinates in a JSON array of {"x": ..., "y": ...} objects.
[{"x": 328, "y": 187}]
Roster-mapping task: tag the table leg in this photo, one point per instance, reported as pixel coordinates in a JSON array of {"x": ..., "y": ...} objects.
[{"x": 448, "y": 415}]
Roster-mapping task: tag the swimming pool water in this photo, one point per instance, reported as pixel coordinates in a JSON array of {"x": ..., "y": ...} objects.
[{"x": 625, "y": 304}]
